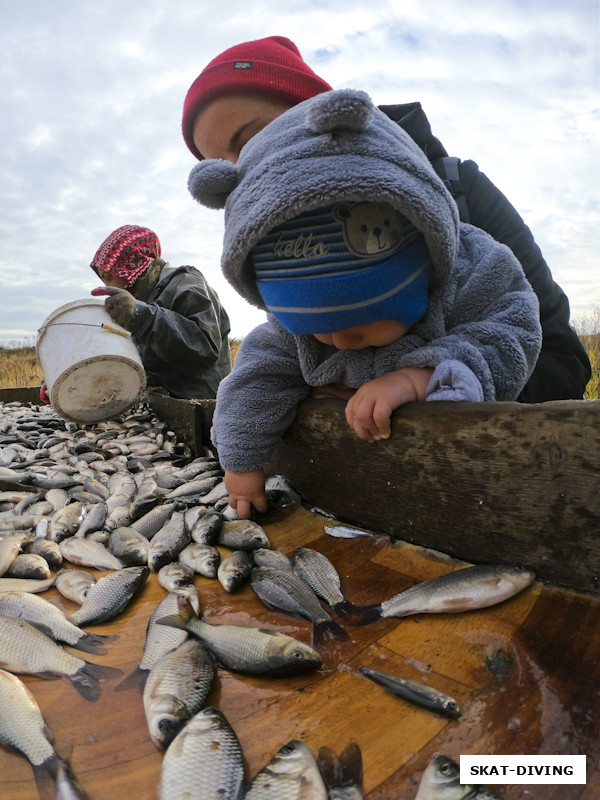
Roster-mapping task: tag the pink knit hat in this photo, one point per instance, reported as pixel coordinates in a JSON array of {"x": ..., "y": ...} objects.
[
  {"x": 271, "y": 66},
  {"x": 127, "y": 252}
]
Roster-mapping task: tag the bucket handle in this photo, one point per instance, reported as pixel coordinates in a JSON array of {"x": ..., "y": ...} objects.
[{"x": 105, "y": 325}]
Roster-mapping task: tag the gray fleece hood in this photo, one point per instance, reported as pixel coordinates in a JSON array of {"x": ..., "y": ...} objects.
[{"x": 288, "y": 169}]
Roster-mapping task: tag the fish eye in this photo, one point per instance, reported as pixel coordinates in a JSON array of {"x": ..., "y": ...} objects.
[
  {"x": 446, "y": 768},
  {"x": 297, "y": 655}
]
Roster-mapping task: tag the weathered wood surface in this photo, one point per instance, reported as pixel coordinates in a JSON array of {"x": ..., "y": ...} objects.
[
  {"x": 545, "y": 702},
  {"x": 480, "y": 481}
]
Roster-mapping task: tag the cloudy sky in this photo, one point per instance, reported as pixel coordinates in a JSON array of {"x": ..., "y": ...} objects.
[{"x": 92, "y": 92}]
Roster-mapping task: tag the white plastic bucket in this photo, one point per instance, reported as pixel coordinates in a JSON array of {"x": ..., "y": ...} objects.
[{"x": 91, "y": 365}]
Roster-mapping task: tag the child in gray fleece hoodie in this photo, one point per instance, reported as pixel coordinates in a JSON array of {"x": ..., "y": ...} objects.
[{"x": 337, "y": 225}]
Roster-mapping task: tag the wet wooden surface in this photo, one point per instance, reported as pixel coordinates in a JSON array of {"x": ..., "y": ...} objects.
[{"x": 548, "y": 702}]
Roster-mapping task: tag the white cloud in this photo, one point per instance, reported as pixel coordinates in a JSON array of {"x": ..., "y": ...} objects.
[{"x": 92, "y": 96}]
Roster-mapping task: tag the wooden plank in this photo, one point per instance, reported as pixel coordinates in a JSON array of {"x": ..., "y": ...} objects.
[
  {"x": 483, "y": 482},
  {"x": 22, "y": 394},
  {"x": 545, "y": 703}
]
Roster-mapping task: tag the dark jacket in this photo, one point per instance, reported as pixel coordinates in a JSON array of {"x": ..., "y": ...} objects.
[
  {"x": 181, "y": 331},
  {"x": 563, "y": 367}
]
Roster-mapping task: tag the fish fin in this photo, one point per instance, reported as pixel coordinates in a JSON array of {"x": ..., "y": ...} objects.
[
  {"x": 326, "y": 630},
  {"x": 184, "y": 616},
  {"x": 94, "y": 643},
  {"x": 346, "y": 609},
  {"x": 352, "y": 765},
  {"x": 87, "y": 679},
  {"x": 65, "y": 777},
  {"x": 136, "y": 678},
  {"x": 44, "y": 775},
  {"x": 365, "y": 615},
  {"x": 329, "y": 767}
]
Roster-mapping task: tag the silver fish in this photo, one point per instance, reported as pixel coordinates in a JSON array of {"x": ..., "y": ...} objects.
[
  {"x": 50, "y": 620},
  {"x": 345, "y": 532},
  {"x": 218, "y": 492},
  {"x": 160, "y": 639},
  {"x": 318, "y": 572},
  {"x": 242, "y": 535},
  {"x": 343, "y": 774},
  {"x": 283, "y": 591},
  {"x": 204, "y": 761},
  {"x": 88, "y": 553},
  {"x": 254, "y": 651},
  {"x": 206, "y": 528},
  {"x": 263, "y": 557},
  {"x": 441, "y": 781},
  {"x": 110, "y": 595},
  {"x": 29, "y": 565},
  {"x": 292, "y": 774},
  {"x": 25, "y": 585},
  {"x": 153, "y": 520},
  {"x": 9, "y": 549},
  {"x": 129, "y": 545},
  {"x": 418, "y": 693},
  {"x": 203, "y": 559},
  {"x": 462, "y": 590},
  {"x": 176, "y": 688},
  {"x": 234, "y": 570},
  {"x": 65, "y": 521},
  {"x": 176, "y": 577},
  {"x": 57, "y": 498},
  {"x": 200, "y": 487},
  {"x": 23, "y": 727},
  {"x": 25, "y": 649},
  {"x": 48, "y": 550},
  {"x": 94, "y": 519},
  {"x": 166, "y": 545},
  {"x": 74, "y": 584},
  {"x": 280, "y": 493}
]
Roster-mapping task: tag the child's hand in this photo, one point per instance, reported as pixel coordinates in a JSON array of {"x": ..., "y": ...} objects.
[
  {"x": 246, "y": 489},
  {"x": 369, "y": 410}
]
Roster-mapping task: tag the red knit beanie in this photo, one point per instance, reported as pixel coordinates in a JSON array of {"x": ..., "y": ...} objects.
[
  {"x": 127, "y": 252},
  {"x": 271, "y": 66}
]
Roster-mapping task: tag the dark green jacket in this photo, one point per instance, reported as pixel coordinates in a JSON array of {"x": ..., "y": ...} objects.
[{"x": 182, "y": 333}]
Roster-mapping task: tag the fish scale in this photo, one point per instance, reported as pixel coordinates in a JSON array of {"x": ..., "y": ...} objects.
[
  {"x": 292, "y": 774},
  {"x": 22, "y": 725},
  {"x": 204, "y": 761}
]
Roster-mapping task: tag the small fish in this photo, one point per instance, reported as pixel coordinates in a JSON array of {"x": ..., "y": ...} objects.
[
  {"x": 66, "y": 521},
  {"x": 203, "y": 559},
  {"x": 9, "y": 549},
  {"x": 176, "y": 577},
  {"x": 25, "y": 585},
  {"x": 170, "y": 540},
  {"x": 151, "y": 522},
  {"x": 441, "y": 781},
  {"x": 254, "y": 651},
  {"x": 160, "y": 639},
  {"x": 93, "y": 520},
  {"x": 74, "y": 584},
  {"x": 206, "y": 528},
  {"x": 284, "y": 591},
  {"x": 280, "y": 493},
  {"x": 318, "y": 572},
  {"x": 242, "y": 534},
  {"x": 204, "y": 761},
  {"x": 88, "y": 553},
  {"x": 110, "y": 594},
  {"x": 29, "y": 565},
  {"x": 292, "y": 774},
  {"x": 343, "y": 774},
  {"x": 50, "y": 620},
  {"x": 345, "y": 532},
  {"x": 25, "y": 649},
  {"x": 464, "y": 589},
  {"x": 23, "y": 728},
  {"x": 49, "y": 551},
  {"x": 176, "y": 689},
  {"x": 200, "y": 487},
  {"x": 418, "y": 693},
  {"x": 234, "y": 570},
  {"x": 263, "y": 557},
  {"x": 129, "y": 545}
]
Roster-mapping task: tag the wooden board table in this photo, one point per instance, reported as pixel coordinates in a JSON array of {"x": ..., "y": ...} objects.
[{"x": 546, "y": 702}]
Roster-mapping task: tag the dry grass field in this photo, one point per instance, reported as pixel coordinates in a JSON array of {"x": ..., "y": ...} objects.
[{"x": 19, "y": 367}]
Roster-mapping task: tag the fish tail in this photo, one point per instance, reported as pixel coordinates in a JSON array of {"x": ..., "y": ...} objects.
[
  {"x": 347, "y": 609},
  {"x": 67, "y": 784},
  {"x": 94, "y": 643},
  {"x": 45, "y": 777},
  {"x": 136, "y": 678},
  {"x": 326, "y": 630},
  {"x": 352, "y": 765},
  {"x": 184, "y": 616},
  {"x": 365, "y": 615},
  {"x": 87, "y": 679}
]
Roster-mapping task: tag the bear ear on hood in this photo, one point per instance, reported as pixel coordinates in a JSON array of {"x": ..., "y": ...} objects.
[
  {"x": 342, "y": 110},
  {"x": 211, "y": 181}
]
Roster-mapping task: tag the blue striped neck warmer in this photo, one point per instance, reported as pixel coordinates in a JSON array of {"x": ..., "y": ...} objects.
[{"x": 341, "y": 266}]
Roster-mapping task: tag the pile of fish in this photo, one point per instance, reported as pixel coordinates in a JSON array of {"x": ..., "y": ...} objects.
[{"x": 127, "y": 498}]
